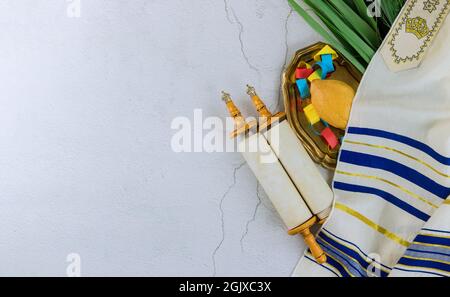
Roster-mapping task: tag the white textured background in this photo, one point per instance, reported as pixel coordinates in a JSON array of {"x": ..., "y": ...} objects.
[{"x": 85, "y": 160}]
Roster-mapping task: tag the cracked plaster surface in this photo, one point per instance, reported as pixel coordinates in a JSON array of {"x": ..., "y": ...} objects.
[{"x": 86, "y": 114}]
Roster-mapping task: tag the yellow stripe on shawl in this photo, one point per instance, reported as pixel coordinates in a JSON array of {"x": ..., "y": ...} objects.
[
  {"x": 414, "y": 195},
  {"x": 372, "y": 225}
]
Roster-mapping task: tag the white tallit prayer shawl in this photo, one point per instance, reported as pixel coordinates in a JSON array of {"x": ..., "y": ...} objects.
[{"x": 391, "y": 217}]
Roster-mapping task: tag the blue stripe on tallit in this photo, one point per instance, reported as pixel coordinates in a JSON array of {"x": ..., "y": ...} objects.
[
  {"x": 433, "y": 240},
  {"x": 354, "y": 245},
  {"x": 344, "y": 260},
  {"x": 427, "y": 255},
  {"x": 425, "y": 263},
  {"x": 431, "y": 250},
  {"x": 420, "y": 271},
  {"x": 348, "y": 253},
  {"x": 403, "y": 139},
  {"x": 396, "y": 168},
  {"x": 438, "y": 231},
  {"x": 338, "y": 266},
  {"x": 384, "y": 195}
]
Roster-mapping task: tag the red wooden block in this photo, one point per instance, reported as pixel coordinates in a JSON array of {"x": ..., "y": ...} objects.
[
  {"x": 329, "y": 137},
  {"x": 303, "y": 73}
]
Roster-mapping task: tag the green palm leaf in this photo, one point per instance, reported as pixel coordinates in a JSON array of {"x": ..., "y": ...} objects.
[{"x": 348, "y": 26}]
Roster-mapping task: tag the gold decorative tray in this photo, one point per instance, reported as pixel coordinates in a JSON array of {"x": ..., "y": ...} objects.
[{"x": 312, "y": 142}]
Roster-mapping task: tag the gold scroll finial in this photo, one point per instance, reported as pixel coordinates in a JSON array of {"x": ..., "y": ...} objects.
[
  {"x": 258, "y": 103},
  {"x": 266, "y": 117},
  {"x": 241, "y": 125},
  {"x": 234, "y": 112}
]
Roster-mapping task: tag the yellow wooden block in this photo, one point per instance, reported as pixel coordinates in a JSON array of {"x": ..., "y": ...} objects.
[
  {"x": 326, "y": 50},
  {"x": 316, "y": 75},
  {"x": 311, "y": 114},
  {"x": 303, "y": 64}
]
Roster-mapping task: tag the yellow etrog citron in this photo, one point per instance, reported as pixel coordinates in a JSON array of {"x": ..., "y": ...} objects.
[{"x": 333, "y": 101}]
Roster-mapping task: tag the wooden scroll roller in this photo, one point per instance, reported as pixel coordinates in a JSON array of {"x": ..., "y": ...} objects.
[
  {"x": 274, "y": 179},
  {"x": 294, "y": 158}
]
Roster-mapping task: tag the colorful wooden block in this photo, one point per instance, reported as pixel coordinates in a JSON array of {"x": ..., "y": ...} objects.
[
  {"x": 311, "y": 114},
  {"x": 329, "y": 137}
]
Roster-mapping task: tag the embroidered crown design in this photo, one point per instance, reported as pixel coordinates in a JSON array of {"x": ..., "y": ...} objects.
[{"x": 417, "y": 26}]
